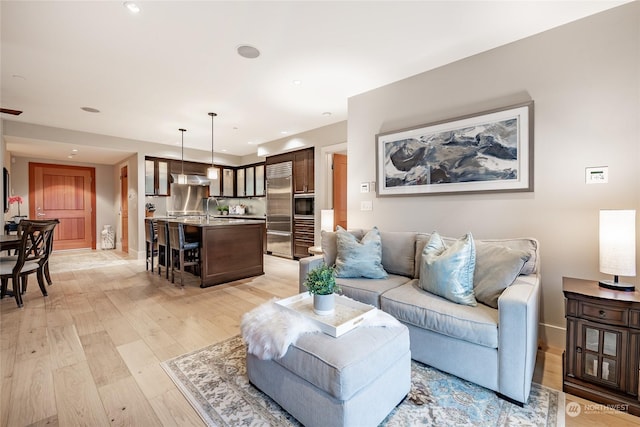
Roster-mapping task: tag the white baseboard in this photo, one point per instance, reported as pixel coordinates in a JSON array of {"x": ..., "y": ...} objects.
[{"x": 551, "y": 335}]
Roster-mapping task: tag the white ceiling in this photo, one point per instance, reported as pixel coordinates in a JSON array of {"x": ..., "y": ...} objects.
[{"x": 169, "y": 65}]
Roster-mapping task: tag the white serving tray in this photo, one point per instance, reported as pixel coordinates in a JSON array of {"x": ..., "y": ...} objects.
[{"x": 348, "y": 314}]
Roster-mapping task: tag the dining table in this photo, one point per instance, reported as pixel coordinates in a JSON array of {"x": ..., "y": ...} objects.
[{"x": 9, "y": 242}]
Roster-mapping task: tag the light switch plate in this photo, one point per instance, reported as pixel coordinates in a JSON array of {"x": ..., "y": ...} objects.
[
  {"x": 366, "y": 205},
  {"x": 597, "y": 175}
]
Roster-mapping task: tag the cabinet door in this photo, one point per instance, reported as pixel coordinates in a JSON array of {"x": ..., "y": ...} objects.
[
  {"x": 303, "y": 171},
  {"x": 228, "y": 182},
  {"x": 249, "y": 175},
  {"x": 601, "y": 354},
  {"x": 163, "y": 178},
  {"x": 149, "y": 178},
  {"x": 240, "y": 187},
  {"x": 214, "y": 184},
  {"x": 260, "y": 180}
]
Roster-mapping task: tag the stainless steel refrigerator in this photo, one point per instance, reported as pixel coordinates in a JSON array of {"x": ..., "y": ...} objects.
[{"x": 279, "y": 209}]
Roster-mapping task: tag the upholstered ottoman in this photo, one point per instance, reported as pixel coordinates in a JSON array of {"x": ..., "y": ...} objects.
[{"x": 353, "y": 380}]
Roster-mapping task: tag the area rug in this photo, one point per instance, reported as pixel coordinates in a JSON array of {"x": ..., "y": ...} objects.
[{"x": 214, "y": 381}]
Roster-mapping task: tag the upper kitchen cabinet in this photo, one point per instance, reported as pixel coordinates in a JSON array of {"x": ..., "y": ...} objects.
[
  {"x": 215, "y": 184},
  {"x": 303, "y": 171},
  {"x": 260, "y": 180},
  {"x": 228, "y": 182},
  {"x": 156, "y": 177},
  {"x": 250, "y": 180}
]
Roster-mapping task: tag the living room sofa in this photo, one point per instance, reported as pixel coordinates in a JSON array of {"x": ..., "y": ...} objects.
[{"x": 492, "y": 347}]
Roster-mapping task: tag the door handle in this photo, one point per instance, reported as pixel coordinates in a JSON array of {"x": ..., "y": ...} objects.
[{"x": 40, "y": 214}]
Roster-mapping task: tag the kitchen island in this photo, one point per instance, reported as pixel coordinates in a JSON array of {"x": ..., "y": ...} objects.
[{"x": 230, "y": 248}]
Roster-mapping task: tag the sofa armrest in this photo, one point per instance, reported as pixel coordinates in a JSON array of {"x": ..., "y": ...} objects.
[
  {"x": 518, "y": 310},
  {"x": 305, "y": 266}
]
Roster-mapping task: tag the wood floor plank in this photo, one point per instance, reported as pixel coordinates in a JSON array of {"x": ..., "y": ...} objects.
[
  {"x": 65, "y": 346},
  {"x": 77, "y": 400},
  {"x": 173, "y": 410},
  {"x": 103, "y": 358},
  {"x": 32, "y": 392},
  {"x": 126, "y": 405}
]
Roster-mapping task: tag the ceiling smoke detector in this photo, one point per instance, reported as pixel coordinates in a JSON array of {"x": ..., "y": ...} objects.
[{"x": 248, "y": 52}]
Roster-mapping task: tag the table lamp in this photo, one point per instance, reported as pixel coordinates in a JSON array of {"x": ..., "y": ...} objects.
[
  {"x": 618, "y": 247},
  {"x": 326, "y": 219}
]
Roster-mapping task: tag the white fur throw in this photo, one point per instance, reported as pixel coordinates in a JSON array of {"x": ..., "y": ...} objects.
[{"x": 269, "y": 329}]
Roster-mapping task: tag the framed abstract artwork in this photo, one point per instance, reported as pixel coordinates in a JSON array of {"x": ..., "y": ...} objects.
[{"x": 488, "y": 151}]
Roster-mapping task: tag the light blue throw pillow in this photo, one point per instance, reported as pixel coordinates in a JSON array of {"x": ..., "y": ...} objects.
[
  {"x": 359, "y": 258},
  {"x": 448, "y": 271}
]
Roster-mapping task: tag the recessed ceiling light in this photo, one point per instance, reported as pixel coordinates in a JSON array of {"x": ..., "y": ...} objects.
[
  {"x": 75, "y": 150},
  {"x": 284, "y": 132},
  {"x": 326, "y": 113},
  {"x": 90, "y": 109},
  {"x": 297, "y": 82},
  {"x": 18, "y": 76},
  {"x": 247, "y": 51},
  {"x": 133, "y": 8}
]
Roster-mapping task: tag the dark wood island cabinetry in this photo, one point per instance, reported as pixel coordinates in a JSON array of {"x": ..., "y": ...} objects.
[{"x": 231, "y": 249}]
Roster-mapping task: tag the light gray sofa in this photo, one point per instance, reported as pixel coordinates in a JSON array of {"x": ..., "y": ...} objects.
[{"x": 494, "y": 348}]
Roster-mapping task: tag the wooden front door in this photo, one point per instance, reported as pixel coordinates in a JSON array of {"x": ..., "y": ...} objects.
[
  {"x": 66, "y": 193},
  {"x": 340, "y": 190},
  {"x": 124, "y": 207}
]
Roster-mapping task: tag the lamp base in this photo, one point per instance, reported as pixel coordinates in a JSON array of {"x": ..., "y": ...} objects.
[{"x": 617, "y": 286}]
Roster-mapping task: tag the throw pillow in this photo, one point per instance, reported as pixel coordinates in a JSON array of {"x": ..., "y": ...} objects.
[
  {"x": 448, "y": 271},
  {"x": 497, "y": 267},
  {"x": 359, "y": 258}
]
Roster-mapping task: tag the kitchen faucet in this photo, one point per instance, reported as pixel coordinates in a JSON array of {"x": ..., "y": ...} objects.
[{"x": 208, "y": 200}]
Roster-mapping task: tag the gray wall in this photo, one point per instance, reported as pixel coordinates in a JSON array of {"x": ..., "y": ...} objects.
[{"x": 584, "y": 78}]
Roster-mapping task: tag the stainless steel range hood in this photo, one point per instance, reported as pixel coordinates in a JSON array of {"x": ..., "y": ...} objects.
[{"x": 193, "y": 179}]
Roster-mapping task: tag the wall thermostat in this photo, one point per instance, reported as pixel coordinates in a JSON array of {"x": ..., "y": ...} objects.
[{"x": 597, "y": 175}]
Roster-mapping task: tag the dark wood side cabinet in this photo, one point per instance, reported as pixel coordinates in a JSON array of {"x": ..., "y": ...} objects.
[
  {"x": 601, "y": 360},
  {"x": 303, "y": 236}
]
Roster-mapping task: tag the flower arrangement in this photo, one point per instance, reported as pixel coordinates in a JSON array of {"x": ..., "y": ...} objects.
[{"x": 16, "y": 199}]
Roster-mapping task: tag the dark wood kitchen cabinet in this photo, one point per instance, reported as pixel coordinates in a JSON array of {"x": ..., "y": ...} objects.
[
  {"x": 601, "y": 360},
  {"x": 303, "y": 236},
  {"x": 156, "y": 177},
  {"x": 303, "y": 171}
]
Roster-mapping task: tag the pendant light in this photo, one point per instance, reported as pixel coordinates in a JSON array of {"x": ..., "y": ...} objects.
[
  {"x": 212, "y": 172},
  {"x": 182, "y": 178}
]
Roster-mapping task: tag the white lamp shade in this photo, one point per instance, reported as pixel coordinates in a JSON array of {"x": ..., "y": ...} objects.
[
  {"x": 212, "y": 172},
  {"x": 326, "y": 219},
  {"x": 181, "y": 179},
  {"x": 618, "y": 242}
]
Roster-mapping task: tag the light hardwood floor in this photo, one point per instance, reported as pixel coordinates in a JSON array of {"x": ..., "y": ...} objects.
[{"x": 89, "y": 353}]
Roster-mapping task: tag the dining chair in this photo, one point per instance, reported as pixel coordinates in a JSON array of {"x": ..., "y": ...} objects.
[
  {"x": 164, "y": 256},
  {"x": 183, "y": 254},
  {"x": 45, "y": 262},
  {"x": 31, "y": 257},
  {"x": 151, "y": 238}
]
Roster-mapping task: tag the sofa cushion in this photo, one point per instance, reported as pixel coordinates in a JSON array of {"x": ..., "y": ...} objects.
[
  {"x": 527, "y": 244},
  {"x": 497, "y": 267},
  {"x": 368, "y": 291},
  {"x": 330, "y": 246},
  {"x": 412, "y": 305},
  {"x": 359, "y": 258},
  {"x": 448, "y": 270},
  {"x": 398, "y": 252}
]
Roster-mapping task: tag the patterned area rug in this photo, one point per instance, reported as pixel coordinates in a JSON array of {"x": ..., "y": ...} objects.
[{"x": 214, "y": 381}]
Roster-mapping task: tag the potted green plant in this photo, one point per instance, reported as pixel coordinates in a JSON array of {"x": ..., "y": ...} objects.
[{"x": 321, "y": 283}]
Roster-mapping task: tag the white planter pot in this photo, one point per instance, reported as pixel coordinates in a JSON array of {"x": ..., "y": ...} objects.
[{"x": 324, "y": 305}]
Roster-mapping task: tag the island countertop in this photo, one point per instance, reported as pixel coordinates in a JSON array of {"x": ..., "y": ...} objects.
[{"x": 211, "y": 222}]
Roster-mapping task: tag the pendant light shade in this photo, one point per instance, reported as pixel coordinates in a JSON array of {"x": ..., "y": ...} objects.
[
  {"x": 212, "y": 172},
  {"x": 182, "y": 178}
]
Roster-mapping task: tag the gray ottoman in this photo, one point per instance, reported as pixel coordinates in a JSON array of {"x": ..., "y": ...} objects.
[{"x": 354, "y": 380}]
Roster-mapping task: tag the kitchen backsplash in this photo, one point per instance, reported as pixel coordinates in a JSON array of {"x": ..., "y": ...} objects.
[{"x": 253, "y": 206}]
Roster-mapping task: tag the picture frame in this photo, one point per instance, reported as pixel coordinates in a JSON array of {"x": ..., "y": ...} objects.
[{"x": 491, "y": 151}]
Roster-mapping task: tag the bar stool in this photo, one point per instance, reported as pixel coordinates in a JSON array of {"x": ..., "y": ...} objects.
[
  {"x": 164, "y": 251},
  {"x": 187, "y": 254},
  {"x": 151, "y": 237}
]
